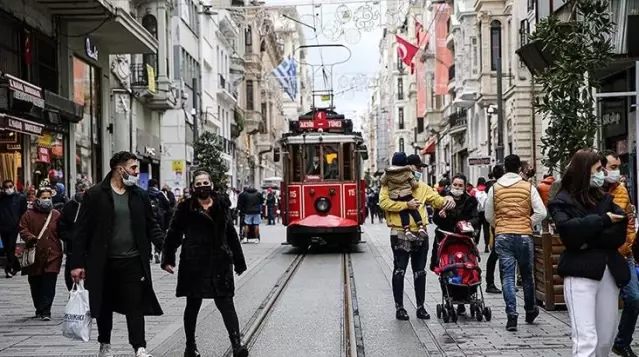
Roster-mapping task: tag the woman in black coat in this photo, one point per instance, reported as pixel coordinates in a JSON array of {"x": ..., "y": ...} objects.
[
  {"x": 465, "y": 210},
  {"x": 202, "y": 225},
  {"x": 592, "y": 228}
]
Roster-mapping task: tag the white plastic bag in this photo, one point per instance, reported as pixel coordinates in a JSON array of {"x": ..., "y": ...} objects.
[{"x": 76, "y": 324}]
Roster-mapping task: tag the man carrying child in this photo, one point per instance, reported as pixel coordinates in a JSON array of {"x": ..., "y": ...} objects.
[{"x": 407, "y": 240}]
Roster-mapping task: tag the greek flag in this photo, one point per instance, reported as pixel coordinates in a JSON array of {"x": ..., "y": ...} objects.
[{"x": 286, "y": 73}]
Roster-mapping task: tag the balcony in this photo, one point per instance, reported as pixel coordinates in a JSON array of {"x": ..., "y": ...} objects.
[
  {"x": 253, "y": 122},
  {"x": 156, "y": 95},
  {"x": 111, "y": 26},
  {"x": 457, "y": 122},
  {"x": 225, "y": 91},
  {"x": 226, "y": 146}
]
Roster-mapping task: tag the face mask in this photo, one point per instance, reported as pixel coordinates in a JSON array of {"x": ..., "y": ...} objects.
[
  {"x": 418, "y": 175},
  {"x": 127, "y": 179},
  {"x": 597, "y": 180},
  {"x": 456, "y": 192},
  {"x": 78, "y": 196},
  {"x": 202, "y": 192},
  {"x": 44, "y": 204},
  {"x": 613, "y": 176},
  {"x": 9, "y": 191}
]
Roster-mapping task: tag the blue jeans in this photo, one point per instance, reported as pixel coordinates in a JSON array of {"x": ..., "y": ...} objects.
[
  {"x": 512, "y": 250},
  {"x": 630, "y": 296}
]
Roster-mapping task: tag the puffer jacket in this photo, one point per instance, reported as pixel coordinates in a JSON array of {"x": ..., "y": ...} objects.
[
  {"x": 544, "y": 189},
  {"x": 622, "y": 199},
  {"x": 400, "y": 181}
]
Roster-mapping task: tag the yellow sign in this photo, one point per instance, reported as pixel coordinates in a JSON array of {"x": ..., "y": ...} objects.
[
  {"x": 326, "y": 98},
  {"x": 150, "y": 73},
  {"x": 177, "y": 165}
]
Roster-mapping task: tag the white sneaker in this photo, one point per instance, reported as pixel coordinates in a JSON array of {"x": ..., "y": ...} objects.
[
  {"x": 142, "y": 353},
  {"x": 105, "y": 350}
]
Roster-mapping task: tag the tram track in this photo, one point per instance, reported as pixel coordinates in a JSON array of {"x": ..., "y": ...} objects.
[{"x": 352, "y": 342}]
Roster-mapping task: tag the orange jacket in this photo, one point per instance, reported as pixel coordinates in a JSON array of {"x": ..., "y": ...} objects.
[
  {"x": 544, "y": 189},
  {"x": 622, "y": 199}
]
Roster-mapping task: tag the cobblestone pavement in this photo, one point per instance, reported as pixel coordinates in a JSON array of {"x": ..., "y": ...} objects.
[{"x": 372, "y": 267}]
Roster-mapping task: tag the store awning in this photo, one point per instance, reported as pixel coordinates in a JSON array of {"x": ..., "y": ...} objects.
[
  {"x": 8, "y": 122},
  {"x": 115, "y": 30},
  {"x": 429, "y": 148}
]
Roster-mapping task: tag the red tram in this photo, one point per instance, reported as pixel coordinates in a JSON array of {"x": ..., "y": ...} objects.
[{"x": 323, "y": 196}]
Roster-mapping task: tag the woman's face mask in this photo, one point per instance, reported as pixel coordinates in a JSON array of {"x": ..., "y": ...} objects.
[
  {"x": 202, "y": 192},
  {"x": 456, "y": 192},
  {"x": 597, "y": 179},
  {"x": 44, "y": 204}
]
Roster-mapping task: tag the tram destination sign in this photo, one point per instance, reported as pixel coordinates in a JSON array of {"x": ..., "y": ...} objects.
[
  {"x": 479, "y": 161},
  {"x": 321, "y": 124}
]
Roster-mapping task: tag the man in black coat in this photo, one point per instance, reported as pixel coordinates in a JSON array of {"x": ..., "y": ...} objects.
[
  {"x": 111, "y": 246},
  {"x": 12, "y": 206},
  {"x": 66, "y": 226}
]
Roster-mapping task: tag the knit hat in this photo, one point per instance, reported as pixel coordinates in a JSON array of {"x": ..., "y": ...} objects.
[{"x": 399, "y": 159}]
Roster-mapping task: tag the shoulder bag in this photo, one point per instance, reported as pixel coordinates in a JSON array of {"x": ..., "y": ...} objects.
[{"x": 28, "y": 256}]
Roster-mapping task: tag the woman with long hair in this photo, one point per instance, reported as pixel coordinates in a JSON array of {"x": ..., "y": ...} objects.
[
  {"x": 211, "y": 250},
  {"x": 592, "y": 228},
  {"x": 39, "y": 229}
]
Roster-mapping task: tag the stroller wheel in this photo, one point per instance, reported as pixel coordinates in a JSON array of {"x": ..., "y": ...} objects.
[
  {"x": 488, "y": 314},
  {"x": 439, "y": 311},
  {"x": 472, "y": 310},
  {"x": 478, "y": 315},
  {"x": 453, "y": 315},
  {"x": 445, "y": 315}
]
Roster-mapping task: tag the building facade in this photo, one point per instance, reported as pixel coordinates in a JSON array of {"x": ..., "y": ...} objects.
[{"x": 64, "y": 102}]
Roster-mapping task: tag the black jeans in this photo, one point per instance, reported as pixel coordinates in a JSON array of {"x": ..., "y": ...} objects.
[
  {"x": 372, "y": 212},
  {"x": 485, "y": 228},
  {"x": 491, "y": 263},
  {"x": 43, "y": 292},
  {"x": 224, "y": 305},
  {"x": 9, "y": 239},
  {"x": 405, "y": 215},
  {"x": 123, "y": 287},
  {"x": 418, "y": 264}
]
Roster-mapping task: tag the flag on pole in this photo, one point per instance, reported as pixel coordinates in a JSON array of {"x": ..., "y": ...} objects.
[
  {"x": 286, "y": 74},
  {"x": 406, "y": 50},
  {"x": 419, "y": 28}
]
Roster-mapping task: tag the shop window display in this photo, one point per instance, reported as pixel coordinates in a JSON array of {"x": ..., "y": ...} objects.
[
  {"x": 11, "y": 158},
  {"x": 47, "y": 158}
]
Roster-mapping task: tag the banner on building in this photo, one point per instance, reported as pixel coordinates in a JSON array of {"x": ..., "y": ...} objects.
[{"x": 443, "y": 56}]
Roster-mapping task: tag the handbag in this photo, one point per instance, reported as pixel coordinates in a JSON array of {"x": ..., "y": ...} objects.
[{"x": 28, "y": 256}]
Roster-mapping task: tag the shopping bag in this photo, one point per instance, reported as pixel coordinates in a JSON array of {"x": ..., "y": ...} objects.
[{"x": 76, "y": 324}]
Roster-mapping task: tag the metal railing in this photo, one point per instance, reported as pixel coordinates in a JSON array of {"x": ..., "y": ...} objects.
[
  {"x": 458, "y": 119},
  {"x": 139, "y": 76}
]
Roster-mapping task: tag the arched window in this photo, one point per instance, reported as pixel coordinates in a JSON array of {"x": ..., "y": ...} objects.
[
  {"x": 150, "y": 23},
  {"x": 495, "y": 44},
  {"x": 401, "y": 145}
]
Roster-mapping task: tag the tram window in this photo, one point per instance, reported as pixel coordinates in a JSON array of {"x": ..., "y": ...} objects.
[
  {"x": 296, "y": 158},
  {"x": 348, "y": 161},
  {"x": 331, "y": 162},
  {"x": 312, "y": 159}
]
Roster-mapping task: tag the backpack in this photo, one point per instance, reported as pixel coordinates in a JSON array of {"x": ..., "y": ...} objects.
[
  {"x": 155, "y": 207},
  {"x": 481, "y": 197}
]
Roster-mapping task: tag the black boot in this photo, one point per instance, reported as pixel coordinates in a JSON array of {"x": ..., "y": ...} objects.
[
  {"x": 401, "y": 314},
  {"x": 511, "y": 324},
  {"x": 236, "y": 343},
  {"x": 191, "y": 351}
]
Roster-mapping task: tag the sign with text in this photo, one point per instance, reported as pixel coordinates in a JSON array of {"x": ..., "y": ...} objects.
[
  {"x": 20, "y": 125},
  {"x": 25, "y": 91},
  {"x": 322, "y": 124},
  {"x": 479, "y": 161}
]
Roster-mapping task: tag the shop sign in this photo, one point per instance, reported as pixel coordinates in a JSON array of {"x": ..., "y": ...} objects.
[
  {"x": 25, "y": 91},
  {"x": 479, "y": 161},
  {"x": 148, "y": 145},
  {"x": 613, "y": 117},
  {"x": 21, "y": 125},
  {"x": 177, "y": 166},
  {"x": 43, "y": 155},
  {"x": 150, "y": 74},
  {"x": 91, "y": 49}
]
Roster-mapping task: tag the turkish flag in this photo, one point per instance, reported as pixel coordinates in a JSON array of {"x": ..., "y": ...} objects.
[
  {"x": 418, "y": 30},
  {"x": 406, "y": 50}
]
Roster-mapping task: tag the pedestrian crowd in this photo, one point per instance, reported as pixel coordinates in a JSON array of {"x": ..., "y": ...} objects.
[
  {"x": 111, "y": 232},
  {"x": 589, "y": 208}
]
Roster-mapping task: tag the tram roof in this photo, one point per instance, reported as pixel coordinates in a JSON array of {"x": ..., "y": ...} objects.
[{"x": 316, "y": 138}]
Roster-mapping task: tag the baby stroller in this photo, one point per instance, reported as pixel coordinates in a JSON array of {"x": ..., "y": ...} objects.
[{"x": 460, "y": 275}]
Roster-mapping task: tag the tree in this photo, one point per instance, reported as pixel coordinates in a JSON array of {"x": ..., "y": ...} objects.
[
  {"x": 579, "y": 48},
  {"x": 208, "y": 154}
]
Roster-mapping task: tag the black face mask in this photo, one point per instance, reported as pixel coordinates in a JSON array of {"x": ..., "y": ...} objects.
[{"x": 202, "y": 192}]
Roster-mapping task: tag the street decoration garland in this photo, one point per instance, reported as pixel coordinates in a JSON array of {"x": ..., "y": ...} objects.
[{"x": 580, "y": 47}]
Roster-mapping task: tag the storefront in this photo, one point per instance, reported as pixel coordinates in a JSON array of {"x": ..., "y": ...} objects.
[
  {"x": 34, "y": 133},
  {"x": 148, "y": 150},
  {"x": 88, "y": 141}
]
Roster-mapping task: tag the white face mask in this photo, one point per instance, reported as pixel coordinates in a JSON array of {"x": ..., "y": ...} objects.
[
  {"x": 9, "y": 191},
  {"x": 456, "y": 192},
  {"x": 129, "y": 180},
  {"x": 613, "y": 176}
]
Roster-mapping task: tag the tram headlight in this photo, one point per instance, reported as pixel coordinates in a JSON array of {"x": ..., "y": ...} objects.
[{"x": 323, "y": 205}]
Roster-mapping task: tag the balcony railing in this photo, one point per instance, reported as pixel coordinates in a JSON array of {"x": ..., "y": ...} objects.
[
  {"x": 223, "y": 84},
  {"x": 227, "y": 146},
  {"x": 457, "y": 119},
  {"x": 139, "y": 76}
]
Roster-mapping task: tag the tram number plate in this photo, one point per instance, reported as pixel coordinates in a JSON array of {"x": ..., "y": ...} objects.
[{"x": 351, "y": 192}]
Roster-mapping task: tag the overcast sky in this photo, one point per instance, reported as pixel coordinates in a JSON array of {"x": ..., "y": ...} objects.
[{"x": 353, "y": 77}]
